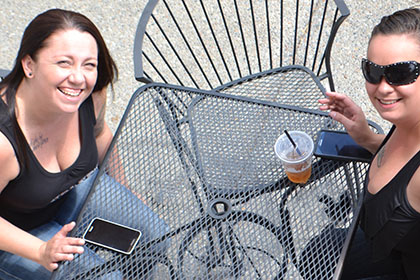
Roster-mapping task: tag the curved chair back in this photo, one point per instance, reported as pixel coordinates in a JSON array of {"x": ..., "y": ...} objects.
[{"x": 207, "y": 44}]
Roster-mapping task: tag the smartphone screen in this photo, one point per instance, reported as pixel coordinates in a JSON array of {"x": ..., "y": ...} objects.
[
  {"x": 340, "y": 145},
  {"x": 112, "y": 235}
]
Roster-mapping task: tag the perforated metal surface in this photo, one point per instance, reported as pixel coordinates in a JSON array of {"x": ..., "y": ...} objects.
[
  {"x": 202, "y": 182},
  {"x": 290, "y": 85}
]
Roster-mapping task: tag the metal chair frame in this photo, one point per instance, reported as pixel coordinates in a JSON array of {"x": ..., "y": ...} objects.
[{"x": 212, "y": 44}]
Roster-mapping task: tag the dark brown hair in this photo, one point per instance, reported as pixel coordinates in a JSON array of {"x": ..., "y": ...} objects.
[
  {"x": 401, "y": 22},
  {"x": 36, "y": 33}
]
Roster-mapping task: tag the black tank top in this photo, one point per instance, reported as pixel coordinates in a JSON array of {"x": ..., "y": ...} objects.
[
  {"x": 389, "y": 221},
  {"x": 34, "y": 196}
]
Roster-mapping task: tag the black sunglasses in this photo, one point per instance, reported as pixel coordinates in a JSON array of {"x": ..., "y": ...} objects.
[{"x": 400, "y": 73}]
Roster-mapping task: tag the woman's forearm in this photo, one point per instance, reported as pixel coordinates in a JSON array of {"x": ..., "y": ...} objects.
[
  {"x": 19, "y": 242},
  {"x": 370, "y": 140}
]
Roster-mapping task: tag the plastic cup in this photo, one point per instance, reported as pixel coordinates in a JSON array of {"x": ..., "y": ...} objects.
[{"x": 297, "y": 166}]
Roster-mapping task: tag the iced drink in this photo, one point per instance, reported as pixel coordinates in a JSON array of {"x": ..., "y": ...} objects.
[{"x": 296, "y": 161}]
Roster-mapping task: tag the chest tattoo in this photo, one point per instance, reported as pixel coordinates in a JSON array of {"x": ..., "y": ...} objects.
[
  {"x": 379, "y": 159},
  {"x": 38, "y": 142}
]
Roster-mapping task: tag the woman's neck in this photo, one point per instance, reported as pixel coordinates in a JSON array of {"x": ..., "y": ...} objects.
[
  {"x": 33, "y": 113},
  {"x": 406, "y": 137}
]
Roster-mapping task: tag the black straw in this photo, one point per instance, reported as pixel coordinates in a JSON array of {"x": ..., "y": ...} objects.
[{"x": 293, "y": 142}]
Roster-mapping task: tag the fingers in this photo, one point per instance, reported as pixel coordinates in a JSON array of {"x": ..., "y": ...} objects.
[
  {"x": 333, "y": 98},
  {"x": 75, "y": 241},
  {"x": 337, "y": 102},
  {"x": 66, "y": 229},
  {"x": 329, "y": 103},
  {"x": 342, "y": 109},
  {"x": 53, "y": 266},
  {"x": 65, "y": 252},
  {"x": 325, "y": 104},
  {"x": 61, "y": 248},
  {"x": 341, "y": 118},
  {"x": 67, "y": 245},
  {"x": 340, "y": 99},
  {"x": 71, "y": 246}
]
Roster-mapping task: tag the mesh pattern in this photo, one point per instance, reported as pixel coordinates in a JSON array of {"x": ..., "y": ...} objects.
[
  {"x": 196, "y": 172},
  {"x": 293, "y": 85}
]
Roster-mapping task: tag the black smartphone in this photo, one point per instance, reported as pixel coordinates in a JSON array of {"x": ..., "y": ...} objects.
[
  {"x": 339, "y": 145},
  {"x": 112, "y": 236}
]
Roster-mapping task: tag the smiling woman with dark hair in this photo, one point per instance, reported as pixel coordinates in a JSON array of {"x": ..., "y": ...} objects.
[
  {"x": 387, "y": 245},
  {"x": 52, "y": 138}
]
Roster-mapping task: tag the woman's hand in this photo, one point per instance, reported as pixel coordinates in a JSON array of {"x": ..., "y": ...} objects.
[
  {"x": 345, "y": 111},
  {"x": 60, "y": 248}
]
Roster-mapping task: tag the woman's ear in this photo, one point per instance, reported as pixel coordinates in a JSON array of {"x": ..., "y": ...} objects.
[{"x": 27, "y": 65}]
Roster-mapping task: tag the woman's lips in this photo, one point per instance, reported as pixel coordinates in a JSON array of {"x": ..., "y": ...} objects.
[
  {"x": 70, "y": 92},
  {"x": 388, "y": 102}
]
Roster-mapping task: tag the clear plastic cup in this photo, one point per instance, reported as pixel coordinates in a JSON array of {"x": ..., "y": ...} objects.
[{"x": 297, "y": 163}]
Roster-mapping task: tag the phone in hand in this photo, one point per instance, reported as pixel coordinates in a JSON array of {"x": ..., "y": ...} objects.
[
  {"x": 112, "y": 236},
  {"x": 340, "y": 146}
]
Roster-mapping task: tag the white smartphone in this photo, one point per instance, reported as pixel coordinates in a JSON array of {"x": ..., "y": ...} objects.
[{"x": 112, "y": 236}]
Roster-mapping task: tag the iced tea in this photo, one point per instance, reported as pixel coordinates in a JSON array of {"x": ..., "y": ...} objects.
[
  {"x": 297, "y": 172},
  {"x": 296, "y": 163},
  {"x": 299, "y": 177}
]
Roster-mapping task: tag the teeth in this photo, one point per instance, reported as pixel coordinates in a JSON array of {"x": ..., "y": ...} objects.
[
  {"x": 388, "y": 102},
  {"x": 71, "y": 93}
]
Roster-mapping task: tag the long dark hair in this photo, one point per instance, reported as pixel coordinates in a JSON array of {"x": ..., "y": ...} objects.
[
  {"x": 401, "y": 22},
  {"x": 36, "y": 33}
]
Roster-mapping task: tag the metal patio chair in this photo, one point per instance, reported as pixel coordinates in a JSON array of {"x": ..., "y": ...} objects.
[
  {"x": 223, "y": 44},
  {"x": 204, "y": 186}
]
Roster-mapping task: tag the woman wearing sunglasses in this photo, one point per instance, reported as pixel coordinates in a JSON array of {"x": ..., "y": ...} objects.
[{"x": 388, "y": 244}]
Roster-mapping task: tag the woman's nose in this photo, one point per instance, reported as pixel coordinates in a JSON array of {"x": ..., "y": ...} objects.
[
  {"x": 384, "y": 86},
  {"x": 77, "y": 76}
]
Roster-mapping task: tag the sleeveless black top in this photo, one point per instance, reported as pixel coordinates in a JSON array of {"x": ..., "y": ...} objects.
[
  {"x": 389, "y": 221},
  {"x": 34, "y": 196}
]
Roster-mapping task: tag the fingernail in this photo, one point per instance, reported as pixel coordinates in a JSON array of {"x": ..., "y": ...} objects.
[{"x": 333, "y": 114}]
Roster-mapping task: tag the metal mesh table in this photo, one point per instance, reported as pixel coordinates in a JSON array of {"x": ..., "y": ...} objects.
[{"x": 197, "y": 174}]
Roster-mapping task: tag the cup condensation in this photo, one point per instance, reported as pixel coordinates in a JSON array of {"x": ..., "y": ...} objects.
[{"x": 297, "y": 167}]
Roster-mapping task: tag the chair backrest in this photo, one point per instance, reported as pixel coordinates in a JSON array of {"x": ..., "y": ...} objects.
[{"x": 206, "y": 44}]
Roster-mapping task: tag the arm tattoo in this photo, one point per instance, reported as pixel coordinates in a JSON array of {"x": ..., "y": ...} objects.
[
  {"x": 38, "y": 142},
  {"x": 379, "y": 160}
]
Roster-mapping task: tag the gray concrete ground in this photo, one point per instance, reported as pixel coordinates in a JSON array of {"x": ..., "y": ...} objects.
[{"x": 117, "y": 20}]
